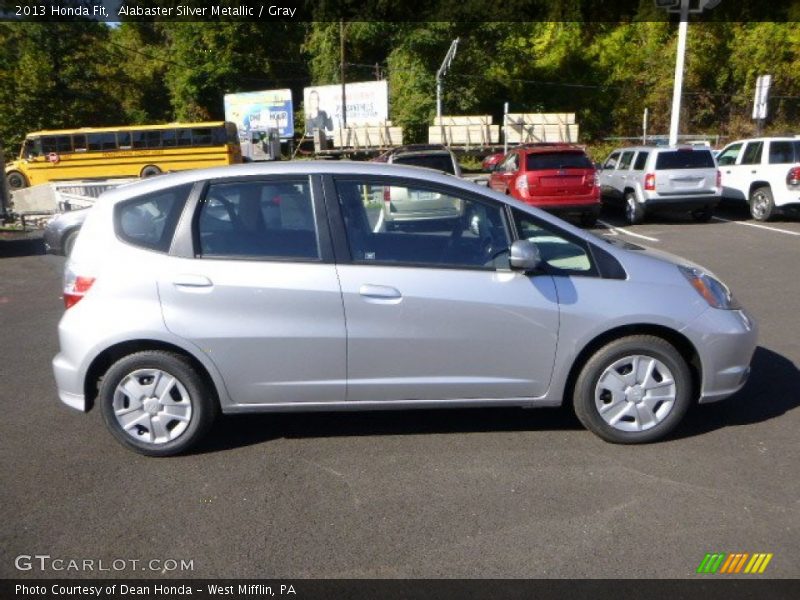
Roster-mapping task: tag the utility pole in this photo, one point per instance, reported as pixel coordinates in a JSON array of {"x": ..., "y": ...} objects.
[
  {"x": 344, "y": 93},
  {"x": 675, "y": 117},
  {"x": 644, "y": 128},
  {"x": 448, "y": 58}
]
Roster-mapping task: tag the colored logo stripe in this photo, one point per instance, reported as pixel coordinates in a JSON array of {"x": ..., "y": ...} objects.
[{"x": 722, "y": 562}]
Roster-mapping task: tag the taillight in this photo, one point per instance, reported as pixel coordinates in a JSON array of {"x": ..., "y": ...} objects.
[
  {"x": 387, "y": 195},
  {"x": 719, "y": 179},
  {"x": 75, "y": 287},
  {"x": 650, "y": 182},
  {"x": 793, "y": 177},
  {"x": 522, "y": 184}
]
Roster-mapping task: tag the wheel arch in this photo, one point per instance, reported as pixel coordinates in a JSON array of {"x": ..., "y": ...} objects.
[
  {"x": 103, "y": 361},
  {"x": 757, "y": 184},
  {"x": 681, "y": 343}
]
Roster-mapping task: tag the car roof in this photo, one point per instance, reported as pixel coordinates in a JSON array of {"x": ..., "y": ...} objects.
[{"x": 550, "y": 148}]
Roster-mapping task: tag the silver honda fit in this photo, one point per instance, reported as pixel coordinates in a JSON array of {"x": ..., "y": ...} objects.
[{"x": 278, "y": 287}]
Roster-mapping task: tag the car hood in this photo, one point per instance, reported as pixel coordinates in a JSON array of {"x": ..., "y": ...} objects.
[{"x": 643, "y": 258}]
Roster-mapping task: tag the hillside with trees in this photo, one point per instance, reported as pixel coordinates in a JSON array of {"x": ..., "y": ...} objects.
[{"x": 91, "y": 74}]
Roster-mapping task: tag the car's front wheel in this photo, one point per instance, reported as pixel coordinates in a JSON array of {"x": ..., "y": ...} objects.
[
  {"x": 633, "y": 390},
  {"x": 156, "y": 403}
]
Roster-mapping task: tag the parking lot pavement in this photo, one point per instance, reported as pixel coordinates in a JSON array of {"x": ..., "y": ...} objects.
[{"x": 464, "y": 493}]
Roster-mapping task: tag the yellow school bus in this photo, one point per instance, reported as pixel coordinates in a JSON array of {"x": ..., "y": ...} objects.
[{"x": 135, "y": 151}]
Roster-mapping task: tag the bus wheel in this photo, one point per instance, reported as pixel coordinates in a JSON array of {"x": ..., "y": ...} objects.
[
  {"x": 150, "y": 171},
  {"x": 16, "y": 180}
]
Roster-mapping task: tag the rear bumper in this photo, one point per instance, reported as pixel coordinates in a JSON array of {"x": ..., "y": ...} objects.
[
  {"x": 681, "y": 202},
  {"x": 69, "y": 383},
  {"x": 566, "y": 204}
]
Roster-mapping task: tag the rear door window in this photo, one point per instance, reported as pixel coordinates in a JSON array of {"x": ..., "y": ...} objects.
[
  {"x": 684, "y": 159},
  {"x": 558, "y": 160},
  {"x": 641, "y": 160},
  {"x": 752, "y": 153}
]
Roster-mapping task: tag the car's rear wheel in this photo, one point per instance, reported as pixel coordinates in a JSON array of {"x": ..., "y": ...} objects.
[
  {"x": 156, "y": 403},
  {"x": 634, "y": 211},
  {"x": 633, "y": 390},
  {"x": 762, "y": 204},
  {"x": 703, "y": 215}
]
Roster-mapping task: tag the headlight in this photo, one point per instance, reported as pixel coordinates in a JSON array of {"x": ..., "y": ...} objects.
[{"x": 712, "y": 290}]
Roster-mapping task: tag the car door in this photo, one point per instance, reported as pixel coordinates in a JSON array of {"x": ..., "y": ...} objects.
[
  {"x": 733, "y": 184},
  {"x": 608, "y": 187},
  {"x": 503, "y": 177},
  {"x": 252, "y": 284},
  {"x": 434, "y": 313}
]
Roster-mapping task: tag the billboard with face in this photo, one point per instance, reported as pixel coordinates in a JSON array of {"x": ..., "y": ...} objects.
[
  {"x": 367, "y": 103},
  {"x": 259, "y": 111}
]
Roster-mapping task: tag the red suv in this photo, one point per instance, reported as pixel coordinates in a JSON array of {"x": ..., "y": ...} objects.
[{"x": 556, "y": 178}]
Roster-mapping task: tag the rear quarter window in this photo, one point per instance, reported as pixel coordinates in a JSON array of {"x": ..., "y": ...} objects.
[
  {"x": 685, "y": 159},
  {"x": 149, "y": 221},
  {"x": 558, "y": 160}
]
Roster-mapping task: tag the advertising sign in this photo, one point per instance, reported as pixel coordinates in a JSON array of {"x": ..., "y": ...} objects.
[
  {"x": 259, "y": 111},
  {"x": 367, "y": 102}
]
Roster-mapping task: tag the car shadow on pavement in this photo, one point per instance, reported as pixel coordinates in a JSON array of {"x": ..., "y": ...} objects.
[
  {"x": 235, "y": 431},
  {"x": 12, "y": 247},
  {"x": 772, "y": 390}
]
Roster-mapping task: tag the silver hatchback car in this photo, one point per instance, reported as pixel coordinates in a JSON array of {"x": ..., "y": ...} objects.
[{"x": 275, "y": 287}]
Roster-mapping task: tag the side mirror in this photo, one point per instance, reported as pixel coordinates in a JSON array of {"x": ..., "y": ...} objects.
[{"x": 524, "y": 256}]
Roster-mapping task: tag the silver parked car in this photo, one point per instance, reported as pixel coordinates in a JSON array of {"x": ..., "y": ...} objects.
[
  {"x": 647, "y": 178},
  {"x": 273, "y": 287}
]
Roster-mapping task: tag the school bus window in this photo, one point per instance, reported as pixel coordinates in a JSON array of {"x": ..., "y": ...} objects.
[
  {"x": 201, "y": 137},
  {"x": 79, "y": 143},
  {"x": 63, "y": 143},
  {"x": 124, "y": 139},
  {"x": 168, "y": 138},
  {"x": 184, "y": 137},
  {"x": 220, "y": 136},
  {"x": 48, "y": 144},
  {"x": 102, "y": 141}
]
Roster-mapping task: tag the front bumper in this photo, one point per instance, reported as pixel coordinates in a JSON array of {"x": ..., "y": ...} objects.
[{"x": 725, "y": 341}]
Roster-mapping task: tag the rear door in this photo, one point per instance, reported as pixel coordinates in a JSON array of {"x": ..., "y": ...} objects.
[
  {"x": 685, "y": 172},
  {"x": 257, "y": 290}
]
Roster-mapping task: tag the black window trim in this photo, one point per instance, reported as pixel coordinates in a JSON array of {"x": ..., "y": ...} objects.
[
  {"x": 337, "y": 226},
  {"x": 187, "y": 242}
]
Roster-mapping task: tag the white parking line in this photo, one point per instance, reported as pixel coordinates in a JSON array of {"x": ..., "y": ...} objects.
[
  {"x": 757, "y": 225},
  {"x": 626, "y": 232}
]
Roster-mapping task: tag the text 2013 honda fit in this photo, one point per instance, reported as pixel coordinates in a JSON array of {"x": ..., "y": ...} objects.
[{"x": 278, "y": 288}]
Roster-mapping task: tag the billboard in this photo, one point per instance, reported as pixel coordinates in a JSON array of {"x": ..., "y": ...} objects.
[
  {"x": 367, "y": 102},
  {"x": 258, "y": 111}
]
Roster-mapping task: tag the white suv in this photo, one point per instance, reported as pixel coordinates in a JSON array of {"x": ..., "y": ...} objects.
[
  {"x": 650, "y": 178},
  {"x": 764, "y": 172}
]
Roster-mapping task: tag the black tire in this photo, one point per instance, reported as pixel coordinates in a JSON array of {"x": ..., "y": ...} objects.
[
  {"x": 762, "y": 204},
  {"x": 634, "y": 211},
  {"x": 16, "y": 180},
  {"x": 202, "y": 402},
  {"x": 150, "y": 171},
  {"x": 586, "y": 387},
  {"x": 69, "y": 242},
  {"x": 703, "y": 215}
]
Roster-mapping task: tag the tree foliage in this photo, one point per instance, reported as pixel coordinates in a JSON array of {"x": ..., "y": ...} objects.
[{"x": 84, "y": 73}]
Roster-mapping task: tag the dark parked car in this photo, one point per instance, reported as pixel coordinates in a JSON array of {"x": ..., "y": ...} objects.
[{"x": 62, "y": 230}]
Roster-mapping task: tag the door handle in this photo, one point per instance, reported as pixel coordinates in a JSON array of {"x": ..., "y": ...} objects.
[
  {"x": 727, "y": 172},
  {"x": 192, "y": 281},
  {"x": 379, "y": 292},
  {"x": 754, "y": 172}
]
